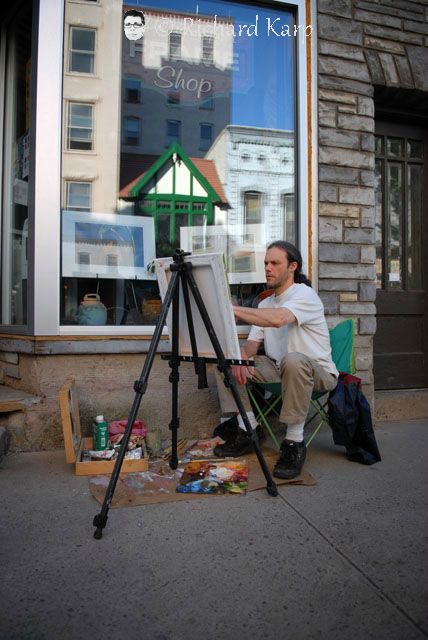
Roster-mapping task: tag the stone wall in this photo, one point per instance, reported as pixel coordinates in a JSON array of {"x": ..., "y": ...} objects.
[{"x": 360, "y": 45}]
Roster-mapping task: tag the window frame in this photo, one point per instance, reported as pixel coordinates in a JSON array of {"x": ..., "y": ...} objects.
[
  {"x": 70, "y": 104},
  {"x": 67, "y": 184},
  {"x": 174, "y": 56},
  {"x": 44, "y": 262},
  {"x": 127, "y": 119},
  {"x": 71, "y": 50}
]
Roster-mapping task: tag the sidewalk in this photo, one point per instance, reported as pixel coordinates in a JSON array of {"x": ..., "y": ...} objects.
[{"x": 343, "y": 560}]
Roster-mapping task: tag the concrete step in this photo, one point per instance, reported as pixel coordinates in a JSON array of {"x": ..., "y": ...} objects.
[
  {"x": 401, "y": 404},
  {"x": 15, "y": 400}
]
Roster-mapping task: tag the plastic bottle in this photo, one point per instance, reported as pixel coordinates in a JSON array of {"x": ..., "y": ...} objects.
[{"x": 100, "y": 434}]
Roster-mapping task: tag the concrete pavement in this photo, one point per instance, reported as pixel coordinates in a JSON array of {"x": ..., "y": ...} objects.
[{"x": 345, "y": 559}]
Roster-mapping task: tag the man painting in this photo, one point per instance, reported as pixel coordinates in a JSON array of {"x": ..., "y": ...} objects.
[{"x": 291, "y": 325}]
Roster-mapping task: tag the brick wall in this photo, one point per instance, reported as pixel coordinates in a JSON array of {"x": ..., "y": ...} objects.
[{"x": 360, "y": 45}]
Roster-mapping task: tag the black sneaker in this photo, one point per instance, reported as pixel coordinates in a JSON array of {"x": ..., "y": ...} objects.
[
  {"x": 238, "y": 444},
  {"x": 290, "y": 462},
  {"x": 227, "y": 429}
]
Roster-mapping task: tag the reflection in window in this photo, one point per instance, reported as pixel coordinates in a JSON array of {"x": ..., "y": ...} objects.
[
  {"x": 207, "y": 101},
  {"x": 173, "y": 97},
  {"x": 289, "y": 210},
  {"x": 132, "y": 90},
  {"x": 206, "y": 135},
  {"x": 82, "y": 50},
  {"x": 78, "y": 196},
  {"x": 207, "y": 49},
  {"x": 80, "y": 126},
  {"x": 173, "y": 130},
  {"x": 252, "y": 207},
  {"x": 175, "y": 46},
  {"x": 132, "y": 131}
]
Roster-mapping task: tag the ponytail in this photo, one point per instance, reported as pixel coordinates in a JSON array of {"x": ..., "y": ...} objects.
[{"x": 293, "y": 255}]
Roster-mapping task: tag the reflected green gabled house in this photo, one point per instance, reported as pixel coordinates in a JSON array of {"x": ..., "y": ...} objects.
[{"x": 178, "y": 191}]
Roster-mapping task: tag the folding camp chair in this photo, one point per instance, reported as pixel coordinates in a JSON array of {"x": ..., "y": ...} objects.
[{"x": 266, "y": 396}]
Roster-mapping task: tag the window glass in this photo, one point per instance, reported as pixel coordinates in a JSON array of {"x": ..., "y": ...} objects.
[
  {"x": 79, "y": 131},
  {"x": 78, "y": 196},
  {"x": 82, "y": 50},
  {"x": 186, "y": 138}
]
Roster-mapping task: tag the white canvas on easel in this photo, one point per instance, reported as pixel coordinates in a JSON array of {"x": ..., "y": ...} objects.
[{"x": 210, "y": 276}]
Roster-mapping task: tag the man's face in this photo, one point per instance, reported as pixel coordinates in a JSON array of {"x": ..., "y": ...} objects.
[
  {"x": 278, "y": 270},
  {"x": 134, "y": 27}
]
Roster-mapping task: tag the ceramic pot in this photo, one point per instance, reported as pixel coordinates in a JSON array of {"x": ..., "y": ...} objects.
[{"x": 91, "y": 310}]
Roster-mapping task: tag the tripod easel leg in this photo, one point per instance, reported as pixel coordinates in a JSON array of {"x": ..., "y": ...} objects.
[
  {"x": 140, "y": 386},
  {"x": 174, "y": 377}
]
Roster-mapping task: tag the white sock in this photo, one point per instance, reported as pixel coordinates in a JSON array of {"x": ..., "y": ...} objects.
[{"x": 295, "y": 432}]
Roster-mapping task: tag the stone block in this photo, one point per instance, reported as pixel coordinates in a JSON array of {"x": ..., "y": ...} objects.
[
  {"x": 346, "y": 271},
  {"x": 404, "y": 72},
  {"x": 375, "y": 67},
  {"x": 374, "y": 18},
  {"x": 358, "y": 308},
  {"x": 338, "y": 210},
  {"x": 7, "y": 356},
  {"x": 343, "y": 68},
  {"x": 365, "y": 106},
  {"x": 346, "y": 157},
  {"x": 326, "y": 115},
  {"x": 416, "y": 27},
  {"x": 347, "y": 109},
  {"x": 327, "y": 193},
  {"x": 348, "y": 297},
  {"x": 334, "y": 138},
  {"x": 418, "y": 60},
  {"x": 389, "y": 69},
  {"x": 359, "y": 236},
  {"x": 364, "y": 360},
  {"x": 337, "y": 7},
  {"x": 356, "y": 195},
  {"x": 355, "y": 123},
  {"x": 396, "y": 35},
  {"x": 331, "y": 252},
  {"x": 368, "y": 254},
  {"x": 329, "y": 301},
  {"x": 380, "y": 44},
  {"x": 352, "y": 222},
  {"x": 367, "y": 291},
  {"x": 337, "y": 96},
  {"x": 342, "y": 175},
  {"x": 12, "y": 371},
  {"x": 330, "y": 230},
  {"x": 345, "y": 84},
  {"x": 337, "y": 285},
  {"x": 368, "y": 216},
  {"x": 367, "y": 178},
  {"x": 349, "y": 52},
  {"x": 338, "y": 30},
  {"x": 380, "y": 10},
  {"x": 363, "y": 342},
  {"x": 367, "y": 142},
  {"x": 366, "y": 379},
  {"x": 367, "y": 326}
]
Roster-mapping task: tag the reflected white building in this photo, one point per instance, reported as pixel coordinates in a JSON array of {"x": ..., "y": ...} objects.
[{"x": 256, "y": 167}]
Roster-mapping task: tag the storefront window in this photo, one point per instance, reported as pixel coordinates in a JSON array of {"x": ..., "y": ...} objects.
[
  {"x": 183, "y": 137},
  {"x": 15, "y": 66}
]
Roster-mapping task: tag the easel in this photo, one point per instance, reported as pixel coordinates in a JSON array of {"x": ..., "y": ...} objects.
[{"x": 181, "y": 271}]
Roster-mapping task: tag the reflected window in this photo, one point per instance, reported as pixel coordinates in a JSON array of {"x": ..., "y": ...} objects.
[
  {"x": 173, "y": 97},
  {"x": 80, "y": 126},
  {"x": 82, "y": 50},
  {"x": 207, "y": 49},
  {"x": 206, "y": 135},
  {"x": 175, "y": 46},
  {"x": 207, "y": 102},
  {"x": 132, "y": 131},
  {"x": 132, "y": 90},
  {"x": 289, "y": 211},
  {"x": 252, "y": 207},
  {"x": 173, "y": 131},
  {"x": 78, "y": 195}
]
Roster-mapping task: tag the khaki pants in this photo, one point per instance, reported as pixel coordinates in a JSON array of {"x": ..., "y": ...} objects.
[{"x": 299, "y": 377}]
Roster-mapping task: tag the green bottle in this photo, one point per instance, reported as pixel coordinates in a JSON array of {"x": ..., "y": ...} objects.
[{"x": 100, "y": 434}]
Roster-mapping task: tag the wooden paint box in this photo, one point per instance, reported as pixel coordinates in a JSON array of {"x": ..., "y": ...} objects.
[{"x": 74, "y": 443}]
